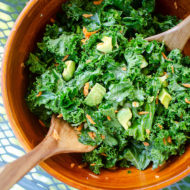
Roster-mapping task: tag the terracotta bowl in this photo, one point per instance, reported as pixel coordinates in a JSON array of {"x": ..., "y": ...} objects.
[{"x": 26, "y": 32}]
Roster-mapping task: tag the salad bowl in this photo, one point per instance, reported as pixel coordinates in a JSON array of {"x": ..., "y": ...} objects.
[{"x": 27, "y": 31}]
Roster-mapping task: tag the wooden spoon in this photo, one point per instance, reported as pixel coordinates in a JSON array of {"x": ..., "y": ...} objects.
[
  {"x": 61, "y": 138},
  {"x": 176, "y": 37}
]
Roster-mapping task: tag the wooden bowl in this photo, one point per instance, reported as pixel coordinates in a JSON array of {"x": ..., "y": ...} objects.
[{"x": 26, "y": 32}]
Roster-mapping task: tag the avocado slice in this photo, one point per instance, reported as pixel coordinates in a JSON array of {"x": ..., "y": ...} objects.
[
  {"x": 124, "y": 116},
  {"x": 95, "y": 96},
  {"x": 144, "y": 62},
  {"x": 106, "y": 46},
  {"x": 69, "y": 70},
  {"x": 163, "y": 80},
  {"x": 165, "y": 98}
]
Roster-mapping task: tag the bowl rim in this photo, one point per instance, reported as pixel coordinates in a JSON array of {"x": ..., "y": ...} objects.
[{"x": 23, "y": 141}]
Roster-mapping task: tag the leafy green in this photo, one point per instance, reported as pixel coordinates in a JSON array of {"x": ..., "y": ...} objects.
[{"x": 129, "y": 73}]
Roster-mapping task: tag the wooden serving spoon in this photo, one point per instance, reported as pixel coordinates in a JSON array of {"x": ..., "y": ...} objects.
[
  {"x": 176, "y": 37},
  {"x": 61, "y": 138}
]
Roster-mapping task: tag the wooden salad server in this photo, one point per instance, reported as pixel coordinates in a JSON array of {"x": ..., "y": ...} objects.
[
  {"x": 61, "y": 138},
  {"x": 176, "y": 37}
]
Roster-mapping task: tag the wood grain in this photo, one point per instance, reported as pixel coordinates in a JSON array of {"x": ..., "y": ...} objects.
[{"x": 22, "y": 40}]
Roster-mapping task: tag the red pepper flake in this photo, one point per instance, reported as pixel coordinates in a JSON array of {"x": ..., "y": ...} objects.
[
  {"x": 90, "y": 119},
  {"x": 87, "y": 15},
  {"x": 187, "y": 101},
  {"x": 108, "y": 117},
  {"x": 146, "y": 143},
  {"x": 60, "y": 115},
  {"x": 39, "y": 94},
  {"x": 186, "y": 85},
  {"x": 72, "y": 165},
  {"x": 143, "y": 113},
  {"x": 124, "y": 68},
  {"x": 42, "y": 123},
  {"x": 169, "y": 140},
  {"x": 65, "y": 58},
  {"x": 97, "y": 2},
  {"x": 164, "y": 141},
  {"x": 148, "y": 131}
]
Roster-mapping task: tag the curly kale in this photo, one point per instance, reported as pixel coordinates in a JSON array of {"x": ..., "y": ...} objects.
[{"x": 103, "y": 48}]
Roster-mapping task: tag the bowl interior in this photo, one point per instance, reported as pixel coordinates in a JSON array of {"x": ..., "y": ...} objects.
[{"x": 24, "y": 36}]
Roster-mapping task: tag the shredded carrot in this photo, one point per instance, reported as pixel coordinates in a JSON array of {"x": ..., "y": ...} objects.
[
  {"x": 52, "y": 20},
  {"x": 72, "y": 165},
  {"x": 87, "y": 15},
  {"x": 92, "y": 135},
  {"x": 93, "y": 164},
  {"x": 108, "y": 117},
  {"x": 164, "y": 141},
  {"x": 65, "y": 58},
  {"x": 39, "y": 94},
  {"x": 88, "y": 34},
  {"x": 79, "y": 128},
  {"x": 146, "y": 143},
  {"x": 55, "y": 135},
  {"x": 86, "y": 87},
  {"x": 97, "y": 2},
  {"x": 103, "y": 154},
  {"x": 169, "y": 140},
  {"x": 143, "y": 112},
  {"x": 90, "y": 119},
  {"x": 187, "y": 101},
  {"x": 84, "y": 40},
  {"x": 157, "y": 100},
  {"x": 116, "y": 111},
  {"x": 60, "y": 115},
  {"x": 148, "y": 131},
  {"x": 160, "y": 126},
  {"x": 124, "y": 68},
  {"x": 82, "y": 165},
  {"x": 103, "y": 137},
  {"x": 186, "y": 85},
  {"x": 164, "y": 56},
  {"x": 172, "y": 67},
  {"x": 56, "y": 64},
  {"x": 42, "y": 123}
]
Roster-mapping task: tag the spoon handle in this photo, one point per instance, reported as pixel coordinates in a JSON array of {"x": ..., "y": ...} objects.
[
  {"x": 13, "y": 172},
  {"x": 176, "y": 37}
]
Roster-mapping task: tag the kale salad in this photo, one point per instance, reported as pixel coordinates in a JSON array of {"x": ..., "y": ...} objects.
[{"x": 128, "y": 97}]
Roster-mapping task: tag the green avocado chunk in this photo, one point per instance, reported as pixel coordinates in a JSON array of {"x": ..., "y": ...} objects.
[
  {"x": 95, "y": 96},
  {"x": 69, "y": 70},
  {"x": 124, "y": 116},
  {"x": 106, "y": 46},
  {"x": 165, "y": 98}
]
